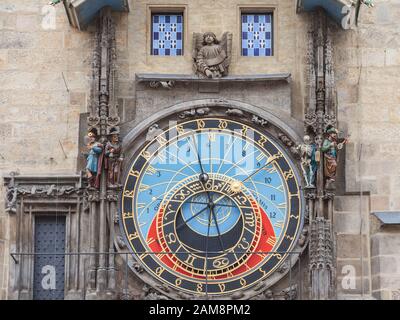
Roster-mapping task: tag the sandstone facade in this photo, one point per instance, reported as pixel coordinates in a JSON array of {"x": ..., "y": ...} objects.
[{"x": 45, "y": 72}]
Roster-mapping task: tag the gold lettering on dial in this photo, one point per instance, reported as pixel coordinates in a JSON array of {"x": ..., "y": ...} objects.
[
  {"x": 171, "y": 238},
  {"x": 220, "y": 263},
  {"x": 190, "y": 260}
]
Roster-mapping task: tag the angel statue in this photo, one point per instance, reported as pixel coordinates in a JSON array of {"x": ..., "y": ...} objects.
[
  {"x": 211, "y": 56},
  {"x": 309, "y": 161}
]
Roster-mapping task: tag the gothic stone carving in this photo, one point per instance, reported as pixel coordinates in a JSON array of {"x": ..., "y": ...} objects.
[
  {"x": 259, "y": 121},
  {"x": 194, "y": 112},
  {"x": 211, "y": 56},
  {"x": 163, "y": 84}
]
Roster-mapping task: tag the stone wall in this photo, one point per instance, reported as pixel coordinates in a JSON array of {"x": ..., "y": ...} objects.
[
  {"x": 44, "y": 81},
  {"x": 44, "y": 85},
  {"x": 367, "y": 66},
  {"x": 201, "y": 16}
]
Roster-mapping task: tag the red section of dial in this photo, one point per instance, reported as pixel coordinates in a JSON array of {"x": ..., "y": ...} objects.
[{"x": 265, "y": 245}]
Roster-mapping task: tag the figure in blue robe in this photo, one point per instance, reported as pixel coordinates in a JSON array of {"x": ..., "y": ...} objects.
[{"x": 94, "y": 160}]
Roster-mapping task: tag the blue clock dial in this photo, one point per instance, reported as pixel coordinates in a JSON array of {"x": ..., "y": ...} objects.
[{"x": 219, "y": 198}]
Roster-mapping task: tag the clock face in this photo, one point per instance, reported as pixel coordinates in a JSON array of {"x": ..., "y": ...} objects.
[{"x": 211, "y": 205}]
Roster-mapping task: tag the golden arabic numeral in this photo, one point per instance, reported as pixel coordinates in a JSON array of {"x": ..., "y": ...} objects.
[
  {"x": 200, "y": 124},
  {"x": 262, "y": 141},
  {"x": 180, "y": 130},
  {"x": 243, "y": 282},
  {"x": 178, "y": 281},
  {"x": 222, "y": 124},
  {"x": 288, "y": 174},
  {"x": 244, "y": 130},
  {"x": 221, "y": 287},
  {"x": 263, "y": 272},
  {"x": 199, "y": 287},
  {"x": 159, "y": 271}
]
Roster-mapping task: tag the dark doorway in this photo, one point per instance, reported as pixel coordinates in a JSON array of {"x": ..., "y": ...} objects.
[{"x": 49, "y": 270}]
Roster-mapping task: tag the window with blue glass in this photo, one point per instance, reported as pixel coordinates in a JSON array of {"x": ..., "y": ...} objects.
[
  {"x": 257, "y": 34},
  {"x": 167, "y": 34}
]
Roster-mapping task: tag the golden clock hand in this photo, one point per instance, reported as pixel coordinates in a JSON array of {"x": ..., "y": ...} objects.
[{"x": 273, "y": 158}]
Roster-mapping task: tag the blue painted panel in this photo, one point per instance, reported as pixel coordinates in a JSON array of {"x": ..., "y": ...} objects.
[
  {"x": 49, "y": 270},
  {"x": 167, "y": 34},
  {"x": 334, "y": 8},
  {"x": 88, "y": 9},
  {"x": 388, "y": 217},
  {"x": 257, "y": 34}
]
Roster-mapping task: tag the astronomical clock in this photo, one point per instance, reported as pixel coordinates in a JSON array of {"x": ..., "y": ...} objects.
[{"x": 211, "y": 205}]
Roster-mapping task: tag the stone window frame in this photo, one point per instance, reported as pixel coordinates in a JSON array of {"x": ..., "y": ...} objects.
[
  {"x": 164, "y": 9},
  {"x": 271, "y": 8}
]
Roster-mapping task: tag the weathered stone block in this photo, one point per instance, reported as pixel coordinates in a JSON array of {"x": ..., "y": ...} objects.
[
  {"x": 349, "y": 246},
  {"x": 348, "y": 223},
  {"x": 385, "y": 265},
  {"x": 389, "y": 281},
  {"x": 379, "y": 202},
  {"x": 385, "y": 244},
  {"x": 77, "y": 98},
  {"x": 28, "y": 23},
  {"x": 16, "y": 40},
  {"x": 393, "y": 57}
]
